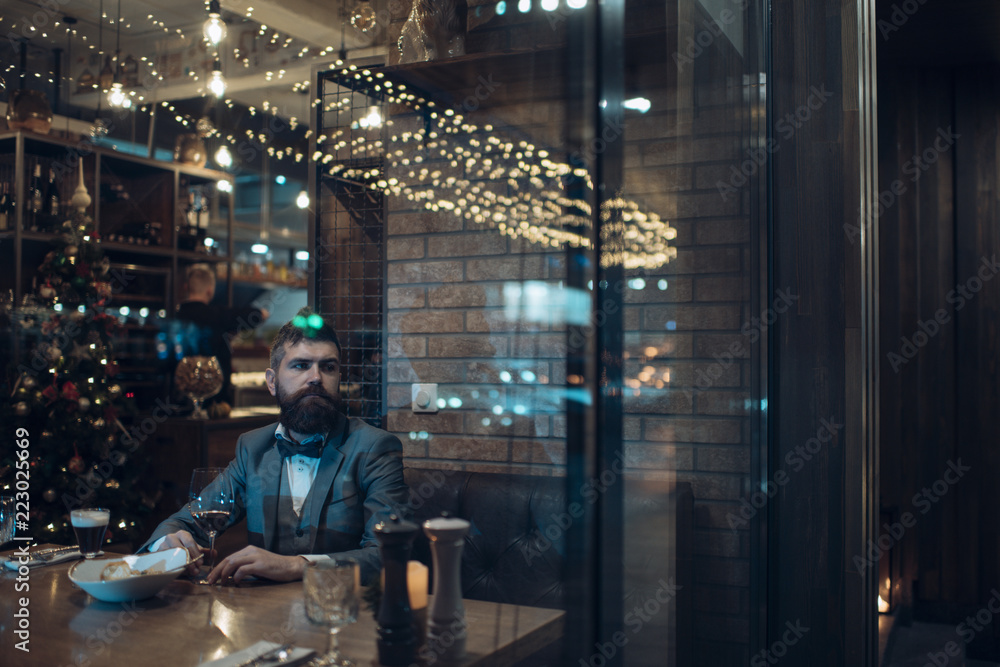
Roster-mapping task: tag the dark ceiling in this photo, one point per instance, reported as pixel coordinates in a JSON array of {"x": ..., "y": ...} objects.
[{"x": 945, "y": 32}]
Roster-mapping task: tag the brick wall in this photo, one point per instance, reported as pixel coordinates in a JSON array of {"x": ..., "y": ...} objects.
[{"x": 449, "y": 322}]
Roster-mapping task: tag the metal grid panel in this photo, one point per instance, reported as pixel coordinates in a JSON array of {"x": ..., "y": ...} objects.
[{"x": 350, "y": 275}]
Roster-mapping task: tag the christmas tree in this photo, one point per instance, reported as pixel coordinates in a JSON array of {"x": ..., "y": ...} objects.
[{"x": 64, "y": 396}]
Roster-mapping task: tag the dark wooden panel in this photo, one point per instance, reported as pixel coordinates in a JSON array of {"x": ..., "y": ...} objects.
[{"x": 942, "y": 404}]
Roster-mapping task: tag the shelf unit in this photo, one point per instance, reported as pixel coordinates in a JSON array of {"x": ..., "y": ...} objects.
[{"x": 140, "y": 210}]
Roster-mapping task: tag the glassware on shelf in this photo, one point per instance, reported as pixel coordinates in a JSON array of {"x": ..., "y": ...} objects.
[
  {"x": 29, "y": 110},
  {"x": 199, "y": 377}
]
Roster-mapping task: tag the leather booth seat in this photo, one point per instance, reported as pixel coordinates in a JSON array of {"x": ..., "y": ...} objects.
[{"x": 515, "y": 549}]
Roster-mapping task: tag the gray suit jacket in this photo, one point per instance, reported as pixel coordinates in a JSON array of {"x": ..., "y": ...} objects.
[{"x": 359, "y": 482}]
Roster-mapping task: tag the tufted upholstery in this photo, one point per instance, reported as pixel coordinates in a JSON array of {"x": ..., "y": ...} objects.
[
  {"x": 506, "y": 556},
  {"x": 515, "y": 549}
]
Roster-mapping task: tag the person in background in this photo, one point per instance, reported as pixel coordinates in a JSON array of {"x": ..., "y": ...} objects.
[
  {"x": 208, "y": 330},
  {"x": 313, "y": 485}
]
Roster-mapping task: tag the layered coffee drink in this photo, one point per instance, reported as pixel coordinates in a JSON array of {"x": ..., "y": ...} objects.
[{"x": 90, "y": 526}]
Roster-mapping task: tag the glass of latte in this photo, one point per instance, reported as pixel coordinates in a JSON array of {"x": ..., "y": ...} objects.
[{"x": 90, "y": 526}]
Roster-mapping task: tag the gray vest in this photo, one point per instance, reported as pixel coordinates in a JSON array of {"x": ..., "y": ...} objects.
[{"x": 294, "y": 533}]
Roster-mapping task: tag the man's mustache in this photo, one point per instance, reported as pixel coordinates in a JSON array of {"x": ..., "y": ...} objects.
[{"x": 310, "y": 391}]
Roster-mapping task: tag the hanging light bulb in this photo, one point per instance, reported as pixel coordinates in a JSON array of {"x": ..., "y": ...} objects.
[
  {"x": 216, "y": 83},
  {"x": 302, "y": 201},
  {"x": 223, "y": 158},
  {"x": 117, "y": 97},
  {"x": 214, "y": 28}
]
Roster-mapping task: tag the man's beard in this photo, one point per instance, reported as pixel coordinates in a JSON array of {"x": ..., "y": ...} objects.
[{"x": 305, "y": 415}]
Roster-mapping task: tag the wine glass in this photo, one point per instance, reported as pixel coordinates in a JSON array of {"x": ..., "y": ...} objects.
[
  {"x": 331, "y": 599},
  {"x": 211, "y": 505},
  {"x": 200, "y": 378},
  {"x": 7, "y": 523}
]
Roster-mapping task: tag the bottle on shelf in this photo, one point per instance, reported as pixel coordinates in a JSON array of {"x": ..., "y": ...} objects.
[
  {"x": 52, "y": 202},
  {"x": 35, "y": 198},
  {"x": 5, "y": 208}
]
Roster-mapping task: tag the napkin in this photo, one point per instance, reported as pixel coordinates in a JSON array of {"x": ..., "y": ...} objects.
[
  {"x": 13, "y": 562},
  {"x": 296, "y": 656}
]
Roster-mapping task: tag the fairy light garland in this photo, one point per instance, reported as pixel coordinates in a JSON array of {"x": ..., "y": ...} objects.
[{"x": 453, "y": 165}]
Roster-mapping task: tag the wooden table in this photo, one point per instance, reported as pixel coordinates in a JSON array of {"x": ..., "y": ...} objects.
[{"x": 187, "y": 624}]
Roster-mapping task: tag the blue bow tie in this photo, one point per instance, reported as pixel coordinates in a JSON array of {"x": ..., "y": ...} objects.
[
  {"x": 289, "y": 449},
  {"x": 311, "y": 447}
]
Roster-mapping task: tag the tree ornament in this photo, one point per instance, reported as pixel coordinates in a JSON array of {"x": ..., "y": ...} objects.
[
  {"x": 76, "y": 465},
  {"x": 99, "y": 423},
  {"x": 54, "y": 353},
  {"x": 21, "y": 409},
  {"x": 71, "y": 251},
  {"x": 29, "y": 382},
  {"x": 47, "y": 292},
  {"x": 84, "y": 404},
  {"x": 114, "y": 391},
  {"x": 78, "y": 283},
  {"x": 49, "y": 495}
]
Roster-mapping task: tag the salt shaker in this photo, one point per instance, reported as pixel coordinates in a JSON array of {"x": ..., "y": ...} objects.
[{"x": 446, "y": 626}]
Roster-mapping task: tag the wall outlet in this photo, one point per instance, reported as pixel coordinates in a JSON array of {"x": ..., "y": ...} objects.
[{"x": 424, "y": 397}]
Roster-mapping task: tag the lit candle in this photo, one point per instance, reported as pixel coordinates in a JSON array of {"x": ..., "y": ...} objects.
[{"x": 416, "y": 579}]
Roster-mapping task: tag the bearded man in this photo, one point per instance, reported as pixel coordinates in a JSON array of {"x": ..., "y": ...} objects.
[{"x": 312, "y": 486}]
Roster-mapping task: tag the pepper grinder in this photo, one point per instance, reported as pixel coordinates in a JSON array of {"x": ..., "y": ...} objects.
[
  {"x": 397, "y": 644},
  {"x": 446, "y": 628}
]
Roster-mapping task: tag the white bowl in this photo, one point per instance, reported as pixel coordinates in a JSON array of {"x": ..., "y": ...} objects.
[{"x": 87, "y": 575}]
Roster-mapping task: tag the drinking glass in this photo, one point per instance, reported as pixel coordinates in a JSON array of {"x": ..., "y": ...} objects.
[
  {"x": 331, "y": 598},
  {"x": 211, "y": 506},
  {"x": 200, "y": 378},
  {"x": 7, "y": 519},
  {"x": 90, "y": 526}
]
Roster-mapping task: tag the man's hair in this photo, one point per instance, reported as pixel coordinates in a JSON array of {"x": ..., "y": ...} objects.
[
  {"x": 306, "y": 325},
  {"x": 199, "y": 279}
]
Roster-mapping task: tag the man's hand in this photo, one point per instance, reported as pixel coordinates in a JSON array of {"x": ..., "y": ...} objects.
[
  {"x": 182, "y": 538},
  {"x": 259, "y": 563}
]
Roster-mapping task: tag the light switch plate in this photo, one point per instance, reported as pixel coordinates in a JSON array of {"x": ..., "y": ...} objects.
[{"x": 424, "y": 397}]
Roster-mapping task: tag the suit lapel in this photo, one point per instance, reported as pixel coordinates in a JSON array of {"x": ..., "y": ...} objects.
[
  {"x": 329, "y": 466},
  {"x": 270, "y": 485}
]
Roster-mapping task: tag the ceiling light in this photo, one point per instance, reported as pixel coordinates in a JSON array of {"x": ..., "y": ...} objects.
[
  {"x": 258, "y": 249},
  {"x": 217, "y": 84},
  {"x": 215, "y": 28},
  {"x": 302, "y": 255},
  {"x": 640, "y": 104},
  {"x": 117, "y": 97},
  {"x": 224, "y": 159}
]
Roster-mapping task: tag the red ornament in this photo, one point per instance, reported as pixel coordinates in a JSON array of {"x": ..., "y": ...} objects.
[
  {"x": 50, "y": 393},
  {"x": 69, "y": 392},
  {"x": 76, "y": 465}
]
